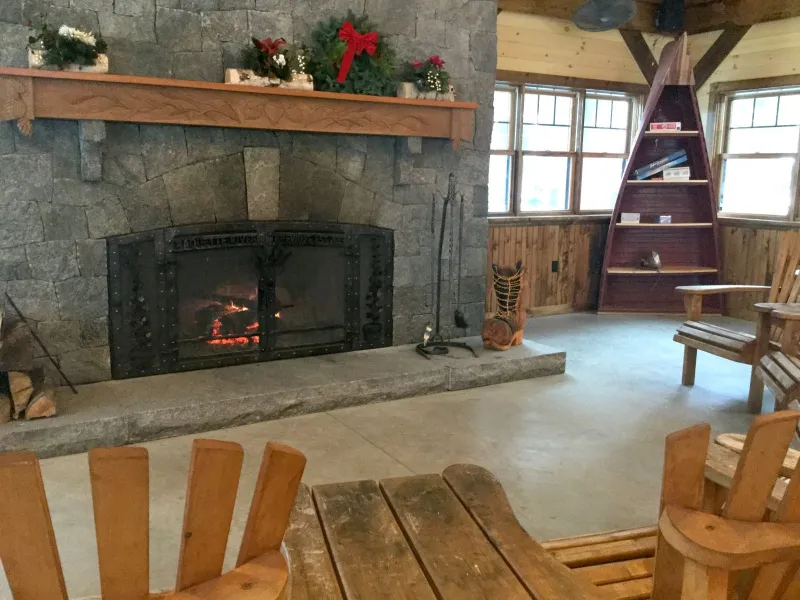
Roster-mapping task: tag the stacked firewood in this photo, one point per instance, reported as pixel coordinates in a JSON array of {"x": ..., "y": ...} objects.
[{"x": 24, "y": 389}]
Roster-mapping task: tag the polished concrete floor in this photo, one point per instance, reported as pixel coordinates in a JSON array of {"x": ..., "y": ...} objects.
[{"x": 577, "y": 453}]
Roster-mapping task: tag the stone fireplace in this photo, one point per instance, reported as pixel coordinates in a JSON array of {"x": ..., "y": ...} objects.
[
  {"x": 79, "y": 199},
  {"x": 200, "y": 296}
]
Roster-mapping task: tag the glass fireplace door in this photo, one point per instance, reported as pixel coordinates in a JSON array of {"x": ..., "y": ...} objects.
[{"x": 217, "y": 302}]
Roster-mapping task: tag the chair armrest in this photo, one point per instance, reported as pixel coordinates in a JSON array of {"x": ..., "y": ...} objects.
[
  {"x": 726, "y": 544},
  {"x": 706, "y": 290},
  {"x": 788, "y": 314}
]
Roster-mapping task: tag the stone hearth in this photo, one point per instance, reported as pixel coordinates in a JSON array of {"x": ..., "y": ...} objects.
[
  {"x": 73, "y": 184},
  {"x": 131, "y": 411}
]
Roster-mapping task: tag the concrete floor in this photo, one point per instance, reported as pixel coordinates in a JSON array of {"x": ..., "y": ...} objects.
[{"x": 577, "y": 453}]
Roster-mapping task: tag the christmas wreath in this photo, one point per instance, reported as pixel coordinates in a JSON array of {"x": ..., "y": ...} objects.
[{"x": 337, "y": 42}]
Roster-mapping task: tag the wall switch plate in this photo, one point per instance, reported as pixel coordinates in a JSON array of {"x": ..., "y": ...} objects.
[{"x": 554, "y": 266}]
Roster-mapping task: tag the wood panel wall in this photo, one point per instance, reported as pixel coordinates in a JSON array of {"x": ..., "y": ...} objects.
[
  {"x": 748, "y": 257},
  {"x": 578, "y": 249},
  {"x": 546, "y": 46}
]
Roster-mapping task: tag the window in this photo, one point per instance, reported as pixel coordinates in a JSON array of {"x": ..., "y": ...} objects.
[
  {"x": 758, "y": 162},
  {"x": 557, "y": 149}
]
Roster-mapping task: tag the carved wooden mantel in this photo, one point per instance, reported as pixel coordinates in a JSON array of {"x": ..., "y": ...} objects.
[{"x": 26, "y": 94}]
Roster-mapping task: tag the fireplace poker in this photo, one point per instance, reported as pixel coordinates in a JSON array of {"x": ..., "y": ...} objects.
[
  {"x": 435, "y": 344},
  {"x": 458, "y": 315},
  {"x": 41, "y": 344}
]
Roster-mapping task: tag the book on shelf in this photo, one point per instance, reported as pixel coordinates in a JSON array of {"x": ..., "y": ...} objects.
[
  {"x": 665, "y": 162},
  {"x": 677, "y": 174},
  {"x": 666, "y": 126}
]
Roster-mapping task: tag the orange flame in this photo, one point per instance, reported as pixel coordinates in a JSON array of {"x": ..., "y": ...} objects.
[{"x": 216, "y": 328}]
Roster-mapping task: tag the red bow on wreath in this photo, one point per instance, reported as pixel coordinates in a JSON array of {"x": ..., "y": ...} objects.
[{"x": 356, "y": 44}]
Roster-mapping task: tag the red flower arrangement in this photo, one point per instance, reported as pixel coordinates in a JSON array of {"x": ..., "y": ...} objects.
[
  {"x": 429, "y": 75},
  {"x": 268, "y": 46}
]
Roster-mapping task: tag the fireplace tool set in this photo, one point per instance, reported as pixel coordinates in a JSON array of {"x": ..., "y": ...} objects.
[{"x": 433, "y": 343}]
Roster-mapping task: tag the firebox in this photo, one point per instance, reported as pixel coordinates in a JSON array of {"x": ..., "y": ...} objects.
[{"x": 202, "y": 296}]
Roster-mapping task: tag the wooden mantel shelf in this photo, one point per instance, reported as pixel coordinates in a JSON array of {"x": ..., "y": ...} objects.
[{"x": 26, "y": 94}]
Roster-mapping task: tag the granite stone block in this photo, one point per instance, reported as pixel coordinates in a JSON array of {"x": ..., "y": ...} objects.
[
  {"x": 20, "y": 223},
  {"x": 35, "y": 299},
  {"x": 92, "y": 259},
  {"x": 124, "y": 170},
  {"x": 60, "y": 336},
  {"x": 87, "y": 365},
  {"x": 178, "y": 30},
  {"x": 82, "y": 298},
  {"x": 198, "y": 66},
  {"x": 296, "y": 188},
  {"x": 224, "y": 26},
  {"x": 26, "y": 177},
  {"x": 328, "y": 194},
  {"x": 75, "y": 17},
  {"x": 80, "y": 193},
  {"x": 163, "y": 148},
  {"x": 52, "y": 261},
  {"x": 125, "y": 27},
  {"x": 11, "y": 11},
  {"x": 225, "y": 181},
  {"x": 7, "y": 144},
  {"x": 107, "y": 218},
  {"x": 317, "y": 148},
  {"x": 63, "y": 222},
  {"x": 386, "y": 214},
  {"x": 122, "y": 138},
  {"x": 273, "y": 24},
  {"x": 14, "y": 264},
  {"x": 66, "y": 149},
  {"x": 262, "y": 170},
  {"x": 13, "y": 52},
  {"x": 140, "y": 58},
  {"x": 357, "y": 204},
  {"x": 203, "y": 143},
  {"x": 147, "y": 207},
  {"x": 94, "y": 333},
  {"x": 200, "y": 5},
  {"x": 350, "y": 163},
  {"x": 394, "y": 17},
  {"x": 189, "y": 200}
]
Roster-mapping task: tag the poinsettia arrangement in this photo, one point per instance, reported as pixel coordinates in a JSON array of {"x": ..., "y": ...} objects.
[
  {"x": 66, "y": 45},
  {"x": 274, "y": 58},
  {"x": 429, "y": 75}
]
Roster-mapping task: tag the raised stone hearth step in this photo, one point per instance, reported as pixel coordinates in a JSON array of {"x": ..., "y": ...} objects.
[{"x": 114, "y": 413}]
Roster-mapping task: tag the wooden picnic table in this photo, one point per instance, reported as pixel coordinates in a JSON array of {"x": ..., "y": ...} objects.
[{"x": 451, "y": 537}]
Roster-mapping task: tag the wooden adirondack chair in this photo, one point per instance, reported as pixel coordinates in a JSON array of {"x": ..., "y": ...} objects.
[
  {"x": 711, "y": 541},
  {"x": 740, "y": 347},
  {"x": 780, "y": 370},
  {"x": 120, "y": 493}
]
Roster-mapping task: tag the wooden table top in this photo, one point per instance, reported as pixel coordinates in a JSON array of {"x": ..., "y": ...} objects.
[{"x": 427, "y": 537}]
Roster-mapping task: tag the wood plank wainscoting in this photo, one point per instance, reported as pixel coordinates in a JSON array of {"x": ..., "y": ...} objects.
[
  {"x": 569, "y": 285},
  {"x": 749, "y": 251}
]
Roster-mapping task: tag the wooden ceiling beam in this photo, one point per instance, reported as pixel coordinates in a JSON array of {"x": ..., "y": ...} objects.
[
  {"x": 641, "y": 53},
  {"x": 718, "y": 14},
  {"x": 719, "y": 50},
  {"x": 644, "y": 20}
]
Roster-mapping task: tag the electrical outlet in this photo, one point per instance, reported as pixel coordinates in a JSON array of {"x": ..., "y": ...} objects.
[{"x": 554, "y": 266}]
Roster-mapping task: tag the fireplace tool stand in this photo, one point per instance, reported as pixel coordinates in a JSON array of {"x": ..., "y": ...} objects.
[{"x": 434, "y": 343}]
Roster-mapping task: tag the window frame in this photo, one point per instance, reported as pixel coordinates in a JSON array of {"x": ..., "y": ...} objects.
[
  {"x": 721, "y": 97},
  {"x": 575, "y": 153}
]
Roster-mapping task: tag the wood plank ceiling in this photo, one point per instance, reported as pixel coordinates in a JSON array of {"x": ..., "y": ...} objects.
[{"x": 701, "y": 15}]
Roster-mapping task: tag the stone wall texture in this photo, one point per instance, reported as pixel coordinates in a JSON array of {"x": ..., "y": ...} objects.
[{"x": 70, "y": 185}]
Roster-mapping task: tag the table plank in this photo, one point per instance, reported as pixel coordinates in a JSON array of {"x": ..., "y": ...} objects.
[
  {"x": 458, "y": 559},
  {"x": 603, "y": 553},
  {"x": 637, "y": 589},
  {"x": 312, "y": 577},
  {"x": 370, "y": 553},
  {"x": 543, "y": 576},
  {"x": 616, "y": 572}
]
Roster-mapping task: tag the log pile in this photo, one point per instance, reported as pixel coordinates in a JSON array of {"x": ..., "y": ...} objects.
[{"x": 24, "y": 389}]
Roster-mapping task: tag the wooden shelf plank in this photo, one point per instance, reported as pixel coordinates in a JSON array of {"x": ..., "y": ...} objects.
[
  {"x": 671, "y": 134},
  {"x": 658, "y": 182},
  {"x": 662, "y": 271},
  {"x": 668, "y": 225},
  {"x": 26, "y": 94}
]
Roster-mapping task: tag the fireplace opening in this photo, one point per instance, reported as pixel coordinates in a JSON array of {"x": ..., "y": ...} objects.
[{"x": 212, "y": 295}]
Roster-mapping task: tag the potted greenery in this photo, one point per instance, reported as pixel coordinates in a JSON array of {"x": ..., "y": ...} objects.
[
  {"x": 271, "y": 62},
  {"x": 67, "y": 48},
  {"x": 426, "y": 79}
]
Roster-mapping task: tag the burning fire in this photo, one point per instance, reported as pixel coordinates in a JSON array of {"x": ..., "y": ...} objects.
[{"x": 216, "y": 328}]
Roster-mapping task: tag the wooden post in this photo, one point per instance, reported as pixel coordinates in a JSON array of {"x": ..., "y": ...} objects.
[{"x": 694, "y": 308}]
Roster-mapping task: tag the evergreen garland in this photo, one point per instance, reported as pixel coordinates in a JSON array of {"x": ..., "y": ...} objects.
[{"x": 371, "y": 75}]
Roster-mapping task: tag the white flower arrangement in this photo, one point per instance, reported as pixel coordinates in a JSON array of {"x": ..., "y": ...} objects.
[
  {"x": 280, "y": 60},
  {"x": 73, "y": 33}
]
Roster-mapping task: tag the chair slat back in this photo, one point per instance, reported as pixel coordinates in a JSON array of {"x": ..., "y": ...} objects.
[
  {"x": 273, "y": 499},
  {"x": 120, "y": 479},
  {"x": 214, "y": 473},
  {"x": 120, "y": 495},
  {"x": 27, "y": 543},
  {"x": 785, "y": 280}
]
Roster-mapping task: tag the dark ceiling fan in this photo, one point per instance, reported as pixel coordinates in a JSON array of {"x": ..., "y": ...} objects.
[{"x": 602, "y": 15}]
